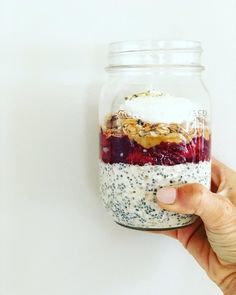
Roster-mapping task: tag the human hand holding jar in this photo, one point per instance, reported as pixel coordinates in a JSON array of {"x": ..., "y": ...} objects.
[{"x": 212, "y": 238}]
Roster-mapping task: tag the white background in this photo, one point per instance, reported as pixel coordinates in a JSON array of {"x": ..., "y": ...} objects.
[{"x": 55, "y": 236}]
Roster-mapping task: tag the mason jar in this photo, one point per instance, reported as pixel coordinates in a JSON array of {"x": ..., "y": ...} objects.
[{"x": 155, "y": 131}]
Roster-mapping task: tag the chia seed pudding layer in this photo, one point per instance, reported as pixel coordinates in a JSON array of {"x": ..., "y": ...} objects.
[{"x": 129, "y": 192}]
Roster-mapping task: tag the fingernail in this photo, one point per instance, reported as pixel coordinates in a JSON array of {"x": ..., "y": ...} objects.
[{"x": 166, "y": 195}]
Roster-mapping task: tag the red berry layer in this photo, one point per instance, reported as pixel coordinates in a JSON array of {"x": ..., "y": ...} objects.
[{"x": 121, "y": 149}]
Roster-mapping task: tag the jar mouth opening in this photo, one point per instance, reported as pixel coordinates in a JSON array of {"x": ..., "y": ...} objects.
[{"x": 154, "y": 45}]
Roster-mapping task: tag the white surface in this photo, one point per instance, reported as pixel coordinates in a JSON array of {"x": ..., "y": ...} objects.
[
  {"x": 153, "y": 109},
  {"x": 55, "y": 235}
]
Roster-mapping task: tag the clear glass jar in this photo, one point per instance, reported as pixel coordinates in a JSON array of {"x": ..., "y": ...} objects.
[{"x": 154, "y": 129}]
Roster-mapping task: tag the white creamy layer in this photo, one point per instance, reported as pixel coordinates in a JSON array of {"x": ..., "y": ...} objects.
[
  {"x": 164, "y": 108},
  {"x": 129, "y": 192}
]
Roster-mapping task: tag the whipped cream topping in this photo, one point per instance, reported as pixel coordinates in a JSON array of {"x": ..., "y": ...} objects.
[{"x": 161, "y": 109}]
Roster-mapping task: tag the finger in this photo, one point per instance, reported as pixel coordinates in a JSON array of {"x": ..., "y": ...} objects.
[
  {"x": 193, "y": 238},
  {"x": 223, "y": 181},
  {"x": 216, "y": 176},
  {"x": 222, "y": 166},
  {"x": 221, "y": 174},
  {"x": 169, "y": 233},
  {"x": 182, "y": 233},
  {"x": 196, "y": 199}
]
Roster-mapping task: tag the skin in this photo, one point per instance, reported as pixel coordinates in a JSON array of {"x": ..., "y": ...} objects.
[{"x": 211, "y": 240}]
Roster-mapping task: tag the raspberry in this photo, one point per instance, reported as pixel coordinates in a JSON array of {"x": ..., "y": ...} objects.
[
  {"x": 120, "y": 148},
  {"x": 138, "y": 158},
  {"x": 105, "y": 149}
]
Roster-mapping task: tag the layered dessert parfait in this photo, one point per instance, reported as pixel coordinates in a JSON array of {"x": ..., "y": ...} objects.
[{"x": 153, "y": 140}]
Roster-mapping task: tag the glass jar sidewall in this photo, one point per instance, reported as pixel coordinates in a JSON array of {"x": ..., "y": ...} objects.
[{"x": 139, "y": 200}]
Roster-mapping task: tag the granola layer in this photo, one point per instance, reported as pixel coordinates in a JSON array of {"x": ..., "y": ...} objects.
[{"x": 149, "y": 135}]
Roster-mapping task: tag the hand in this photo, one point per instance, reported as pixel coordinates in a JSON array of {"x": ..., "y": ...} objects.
[{"x": 212, "y": 238}]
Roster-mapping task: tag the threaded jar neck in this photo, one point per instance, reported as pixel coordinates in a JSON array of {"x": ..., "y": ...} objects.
[{"x": 155, "y": 53}]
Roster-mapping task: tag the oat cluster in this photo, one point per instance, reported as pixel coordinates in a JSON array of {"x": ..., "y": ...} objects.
[{"x": 148, "y": 135}]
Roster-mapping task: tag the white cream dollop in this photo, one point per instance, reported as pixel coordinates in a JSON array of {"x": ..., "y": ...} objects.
[{"x": 164, "y": 109}]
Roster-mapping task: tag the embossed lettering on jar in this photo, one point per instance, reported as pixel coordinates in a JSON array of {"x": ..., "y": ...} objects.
[{"x": 154, "y": 129}]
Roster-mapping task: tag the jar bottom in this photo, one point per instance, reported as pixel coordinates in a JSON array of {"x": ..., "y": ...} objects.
[{"x": 156, "y": 229}]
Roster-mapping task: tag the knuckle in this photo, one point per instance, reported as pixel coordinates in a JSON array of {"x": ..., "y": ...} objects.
[
  {"x": 199, "y": 189},
  {"x": 199, "y": 206},
  {"x": 227, "y": 207},
  {"x": 199, "y": 193},
  {"x": 191, "y": 197}
]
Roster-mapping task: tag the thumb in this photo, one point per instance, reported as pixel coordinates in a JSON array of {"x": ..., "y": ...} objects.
[{"x": 196, "y": 199}]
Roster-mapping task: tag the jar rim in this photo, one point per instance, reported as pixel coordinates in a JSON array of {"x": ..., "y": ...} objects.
[{"x": 154, "y": 45}]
